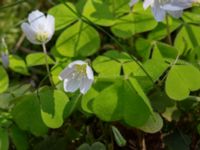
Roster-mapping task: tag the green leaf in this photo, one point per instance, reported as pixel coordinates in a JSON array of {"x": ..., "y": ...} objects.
[
  {"x": 93, "y": 11},
  {"x": 4, "y": 141},
  {"x": 137, "y": 21},
  {"x": 181, "y": 80},
  {"x": 137, "y": 107},
  {"x": 84, "y": 146},
  {"x": 160, "y": 32},
  {"x": 163, "y": 50},
  {"x": 160, "y": 101},
  {"x": 19, "y": 138},
  {"x": 155, "y": 69},
  {"x": 121, "y": 101},
  {"x": 19, "y": 89},
  {"x": 36, "y": 59},
  {"x": 57, "y": 69},
  {"x": 191, "y": 17},
  {"x": 63, "y": 15},
  {"x": 72, "y": 105},
  {"x": 94, "y": 146},
  {"x": 177, "y": 140},
  {"x": 115, "y": 61},
  {"x": 52, "y": 142},
  {"x": 78, "y": 39},
  {"x": 53, "y": 103},
  {"x": 187, "y": 38},
  {"x": 27, "y": 115},
  {"x": 4, "y": 80},
  {"x": 153, "y": 124},
  {"x": 144, "y": 47},
  {"x": 118, "y": 137},
  {"x": 119, "y": 7},
  {"x": 101, "y": 64},
  {"x": 148, "y": 49},
  {"x": 98, "y": 146},
  {"x": 18, "y": 65},
  {"x": 172, "y": 113},
  {"x": 5, "y": 100},
  {"x": 87, "y": 99},
  {"x": 107, "y": 105}
]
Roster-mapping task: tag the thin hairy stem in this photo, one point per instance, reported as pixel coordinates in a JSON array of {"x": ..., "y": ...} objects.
[{"x": 47, "y": 64}]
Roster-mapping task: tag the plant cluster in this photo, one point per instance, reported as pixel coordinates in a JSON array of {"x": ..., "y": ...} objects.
[{"x": 97, "y": 74}]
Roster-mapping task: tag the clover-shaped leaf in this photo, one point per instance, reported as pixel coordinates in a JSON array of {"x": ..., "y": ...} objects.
[{"x": 181, "y": 80}]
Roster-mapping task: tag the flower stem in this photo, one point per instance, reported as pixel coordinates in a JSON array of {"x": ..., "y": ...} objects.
[
  {"x": 47, "y": 64},
  {"x": 168, "y": 30}
]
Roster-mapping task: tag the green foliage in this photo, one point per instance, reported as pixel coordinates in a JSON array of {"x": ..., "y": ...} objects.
[
  {"x": 179, "y": 84},
  {"x": 66, "y": 18},
  {"x": 36, "y": 59},
  {"x": 79, "y": 39},
  {"x": 94, "y": 146},
  {"x": 4, "y": 142},
  {"x": 125, "y": 100},
  {"x": 19, "y": 138},
  {"x": 53, "y": 103},
  {"x": 27, "y": 115},
  {"x": 4, "y": 80},
  {"x": 118, "y": 137},
  {"x": 153, "y": 124},
  {"x": 136, "y": 22},
  {"x": 18, "y": 65},
  {"x": 146, "y": 77}
]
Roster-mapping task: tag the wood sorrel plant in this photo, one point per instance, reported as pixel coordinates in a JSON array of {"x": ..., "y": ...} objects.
[{"x": 141, "y": 76}]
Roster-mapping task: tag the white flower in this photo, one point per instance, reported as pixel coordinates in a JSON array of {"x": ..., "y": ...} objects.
[
  {"x": 172, "y": 7},
  {"x": 132, "y": 2},
  {"x": 4, "y": 53},
  {"x": 40, "y": 28},
  {"x": 77, "y": 75},
  {"x": 5, "y": 59}
]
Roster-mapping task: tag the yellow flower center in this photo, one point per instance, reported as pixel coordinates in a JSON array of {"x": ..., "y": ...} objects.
[
  {"x": 81, "y": 69},
  {"x": 42, "y": 36}
]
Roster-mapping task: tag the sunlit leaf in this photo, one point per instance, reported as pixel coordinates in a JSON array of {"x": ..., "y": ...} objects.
[
  {"x": 4, "y": 80},
  {"x": 36, "y": 59},
  {"x": 181, "y": 80},
  {"x": 79, "y": 39}
]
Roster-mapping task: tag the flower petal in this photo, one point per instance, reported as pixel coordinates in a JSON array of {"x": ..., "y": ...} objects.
[
  {"x": 66, "y": 73},
  {"x": 85, "y": 85},
  {"x": 5, "y": 59},
  {"x": 159, "y": 13},
  {"x": 79, "y": 62},
  {"x": 35, "y": 15},
  {"x": 89, "y": 72},
  {"x": 132, "y": 2},
  {"x": 176, "y": 14},
  {"x": 171, "y": 7},
  {"x": 71, "y": 85},
  {"x": 50, "y": 24},
  {"x": 30, "y": 34},
  {"x": 38, "y": 21},
  {"x": 147, "y": 3}
]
